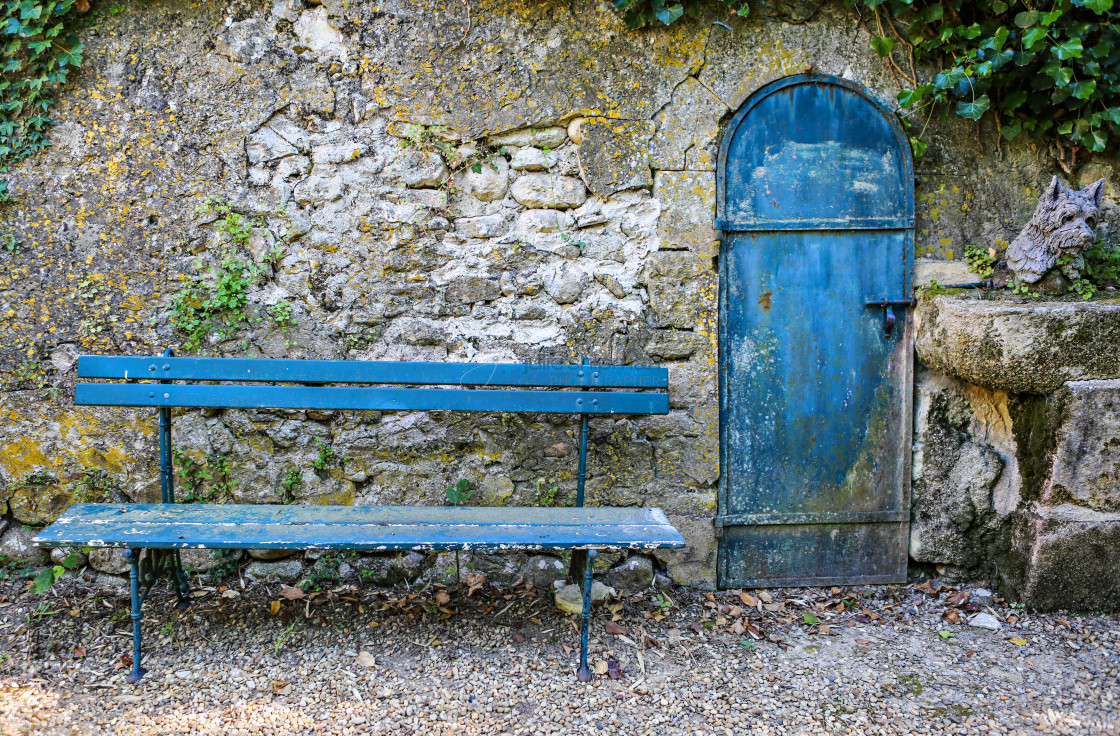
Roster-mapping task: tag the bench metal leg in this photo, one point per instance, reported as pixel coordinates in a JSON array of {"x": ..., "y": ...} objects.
[
  {"x": 179, "y": 582},
  {"x": 133, "y": 556},
  {"x": 584, "y": 672}
]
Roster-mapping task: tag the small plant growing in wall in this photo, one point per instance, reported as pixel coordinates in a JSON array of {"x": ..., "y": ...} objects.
[
  {"x": 545, "y": 492},
  {"x": 290, "y": 483},
  {"x": 459, "y": 492},
  {"x": 981, "y": 261},
  {"x": 207, "y": 480},
  {"x": 326, "y": 454}
]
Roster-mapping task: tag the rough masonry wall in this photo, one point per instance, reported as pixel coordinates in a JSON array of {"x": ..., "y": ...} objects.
[{"x": 533, "y": 183}]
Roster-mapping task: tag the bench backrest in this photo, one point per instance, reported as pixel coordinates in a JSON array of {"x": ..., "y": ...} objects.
[
  {"x": 250, "y": 374},
  {"x": 255, "y": 383}
]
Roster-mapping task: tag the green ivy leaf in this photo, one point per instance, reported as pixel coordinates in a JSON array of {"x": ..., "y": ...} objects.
[
  {"x": 1026, "y": 19},
  {"x": 1033, "y": 36},
  {"x": 882, "y": 45},
  {"x": 1014, "y": 100},
  {"x": 1096, "y": 140},
  {"x": 975, "y": 109},
  {"x": 1010, "y": 131},
  {"x": 1099, "y": 7},
  {"x": 810, "y": 618},
  {"x": 910, "y": 97},
  {"x": 43, "y": 581},
  {"x": 1070, "y": 49},
  {"x": 669, "y": 13},
  {"x": 917, "y": 146},
  {"x": 1083, "y": 90}
]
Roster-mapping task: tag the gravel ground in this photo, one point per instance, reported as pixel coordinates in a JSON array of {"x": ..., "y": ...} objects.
[{"x": 880, "y": 660}]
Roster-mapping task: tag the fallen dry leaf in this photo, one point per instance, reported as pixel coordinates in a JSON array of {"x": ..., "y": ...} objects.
[
  {"x": 748, "y": 599},
  {"x": 1018, "y": 640},
  {"x": 958, "y": 599},
  {"x": 765, "y": 597},
  {"x": 613, "y": 628},
  {"x": 927, "y": 588},
  {"x": 613, "y": 670},
  {"x": 567, "y": 649},
  {"x": 292, "y": 594},
  {"x": 79, "y": 651},
  {"x": 281, "y": 687},
  {"x": 443, "y": 598},
  {"x": 274, "y": 607},
  {"x": 518, "y": 637},
  {"x": 951, "y": 616},
  {"x": 365, "y": 659},
  {"x": 601, "y": 667}
]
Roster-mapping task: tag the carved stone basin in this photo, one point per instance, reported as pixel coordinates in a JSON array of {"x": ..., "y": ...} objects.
[{"x": 1019, "y": 346}]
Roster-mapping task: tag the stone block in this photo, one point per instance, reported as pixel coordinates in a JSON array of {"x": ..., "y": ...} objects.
[
  {"x": 565, "y": 283},
  {"x": 687, "y": 461},
  {"x": 15, "y": 544},
  {"x": 489, "y": 183},
  {"x": 675, "y": 304},
  {"x": 486, "y": 226},
  {"x": 533, "y": 159},
  {"x": 268, "y": 555},
  {"x": 472, "y": 289},
  {"x": 688, "y": 125},
  {"x": 267, "y": 145},
  {"x": 1064, "y": 557},
  {"x": 542, "y": 570},
  {"x": 692, "y": 385},
  {"x": 688, "y": 211},
  {"x": 542, "y": 137},
  {"x": 614, "y": 154},
  {"x": 928, "y": 270},
  {"x": 109, "y": 560},
  {"x": 569, "y": 598},
  {"x": 636, "y": 573},
  {"x": 1086, "y": 462},
  {"x": 549, "y": 191},
  {"x": 205, "y": 560},
  {"x": 1022, "y": 348},
  {"x": 314, "y": 30},
  {"x": 418, "y": 169},
  {"x": 695, "y": 564},
  {"x": 531, "y": 222},
  {"x": 289, "y": 572},
  {"x": 674, "y": 344}
]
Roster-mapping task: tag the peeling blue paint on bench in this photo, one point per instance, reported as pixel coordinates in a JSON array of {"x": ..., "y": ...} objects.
[
  {"x": 380, "y": 399},
  {"x": 368, "y": 371},
  {"x": 262, "y": 526}
]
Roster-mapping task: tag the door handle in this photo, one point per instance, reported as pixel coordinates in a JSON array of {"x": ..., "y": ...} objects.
[{"x": 888, "y": 305}]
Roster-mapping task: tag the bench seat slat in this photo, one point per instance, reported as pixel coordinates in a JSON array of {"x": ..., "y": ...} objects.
[
  {"x": 261, "y": 526},
  {"x": 381, "y": 399},
  {"x": 370, "y": 371}
]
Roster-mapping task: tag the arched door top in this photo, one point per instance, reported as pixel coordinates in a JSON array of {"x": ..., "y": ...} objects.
[{"x": 814, "y": 152}]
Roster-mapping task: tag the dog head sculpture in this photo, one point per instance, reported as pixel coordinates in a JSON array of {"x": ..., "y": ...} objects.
[{"x": 1064, "y": 222}]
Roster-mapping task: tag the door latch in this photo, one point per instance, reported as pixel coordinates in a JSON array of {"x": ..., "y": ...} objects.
[{"x": 888, "y": 305}]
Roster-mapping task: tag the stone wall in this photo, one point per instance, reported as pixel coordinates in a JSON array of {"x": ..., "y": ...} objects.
[{"x": 505, "y": 181}]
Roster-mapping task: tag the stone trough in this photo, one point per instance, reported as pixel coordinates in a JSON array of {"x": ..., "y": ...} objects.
[{"x": 1017, "y": 454}]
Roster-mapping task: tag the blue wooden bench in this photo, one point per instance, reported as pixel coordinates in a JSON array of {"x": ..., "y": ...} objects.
[{"x": 153, "y": 534}]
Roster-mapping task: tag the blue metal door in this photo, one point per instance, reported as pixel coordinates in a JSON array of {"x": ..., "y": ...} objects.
[{"x": 816, "y": 207}]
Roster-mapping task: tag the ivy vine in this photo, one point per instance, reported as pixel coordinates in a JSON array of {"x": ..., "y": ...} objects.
[
  {"x": 1045, "y": 69},
  {"x": 41, "y": 48},
  {"x": 1041, "y": 69}
]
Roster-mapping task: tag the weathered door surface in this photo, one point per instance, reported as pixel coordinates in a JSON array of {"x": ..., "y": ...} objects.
[{"x": 816, "y": 206}]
